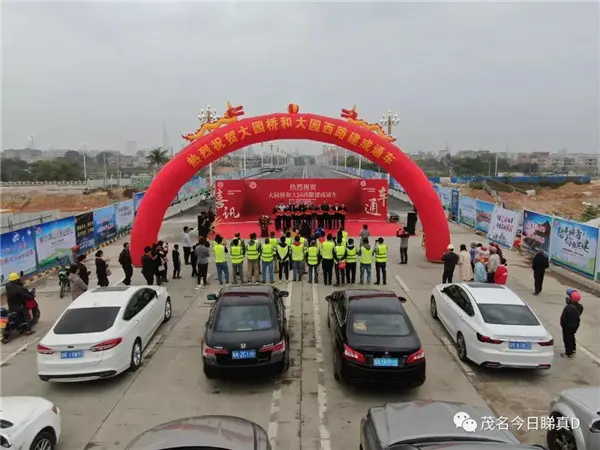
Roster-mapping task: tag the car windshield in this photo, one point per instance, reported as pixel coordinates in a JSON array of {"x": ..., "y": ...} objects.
[
  {"x": 507, "y": 314},
  {"x": 379, "y": 324},
  {"x": 87, "y": 320},
  {"x": 244, "y": 318}
]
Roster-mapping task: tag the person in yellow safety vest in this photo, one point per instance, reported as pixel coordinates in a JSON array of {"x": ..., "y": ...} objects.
[
  {"x": 242, "y": 243},
  {"x": 266, "y": 258},
  {"x": 380, "y": 261},
  {"x": 339, "y": 254},
  {"x": 327, "y": 259},
  {"x": 297, "y": 259},
  {"x": 283, "y": 257},
  {"x": 344, "y": 234},
  {"x": 237, "y": 261},
  {"x": 351, "y": 256},
  {"x": 366, "y": 260},
  {"x": 313, "y": 258},
  {"x": 273, "y": 242},
  {"x": 340, "y": 236},
  {"x": 221, "y": 259},
  {"x": 288, "y": 238},
  {"x": 253, "y": 254}
]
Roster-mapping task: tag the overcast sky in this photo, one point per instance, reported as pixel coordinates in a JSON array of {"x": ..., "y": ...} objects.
[{"x": 485, "y": 75}]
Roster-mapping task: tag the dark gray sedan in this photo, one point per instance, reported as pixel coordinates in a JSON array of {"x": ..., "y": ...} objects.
[
  {"x": 204, "y": 432},
  {"x": 431, "y": 425}
]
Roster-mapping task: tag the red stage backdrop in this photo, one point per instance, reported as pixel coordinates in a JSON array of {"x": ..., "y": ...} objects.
[{"x": 244, "y": 200}]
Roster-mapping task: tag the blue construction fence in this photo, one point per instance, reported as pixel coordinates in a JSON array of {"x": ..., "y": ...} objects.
[{"x": 569, "y": 244}]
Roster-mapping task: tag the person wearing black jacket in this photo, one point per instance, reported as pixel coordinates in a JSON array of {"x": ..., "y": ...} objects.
[
  {"x": 177, "y": 262},
  {"x": 569, "y": 322},
  {"x": 84, "y": 273},
  {"x": 450, "y": 260},
  {"x": 194, "y": 261},
  {"x": 16, "y": 296},
  {"x": 126, "y": 264},
  {"x": 102, "y": 270},
  {"x": 539, "y": 265},
  {"x": 148, "y": 266}
]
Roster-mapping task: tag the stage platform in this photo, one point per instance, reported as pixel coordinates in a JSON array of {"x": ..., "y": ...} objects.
[{"x": 376, "y": 229}]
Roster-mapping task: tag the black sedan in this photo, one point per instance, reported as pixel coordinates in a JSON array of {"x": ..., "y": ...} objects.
[
  {"x": 373, "y": 339},
  {"x": 246, "y": 330}
]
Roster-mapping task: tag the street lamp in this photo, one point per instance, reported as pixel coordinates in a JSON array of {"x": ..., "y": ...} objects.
[
  {"x": 389, "y": 121},
  {"x": 208, "y": 116}
]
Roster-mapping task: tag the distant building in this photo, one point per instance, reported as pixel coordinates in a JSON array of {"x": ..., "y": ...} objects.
[{"x": 27, "y": 154}]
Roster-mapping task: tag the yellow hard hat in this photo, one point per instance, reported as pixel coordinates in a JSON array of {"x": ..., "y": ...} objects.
[{"x": 13, "y": 276}]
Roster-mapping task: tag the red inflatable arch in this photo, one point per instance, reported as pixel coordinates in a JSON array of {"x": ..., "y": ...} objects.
[{"x": 350, "y": 134}]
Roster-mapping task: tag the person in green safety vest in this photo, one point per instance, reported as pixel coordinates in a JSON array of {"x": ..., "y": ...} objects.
[
  {"x": 297, "y": 259},
  {"x": 237, "y": 261},
  {"x": 365, "y": 254},
  {"x": 381, "y": 252},
  {"x": 273, "y": 242},
  {"x": 327, "y": 259},
  {"x": 351, "y": 256},
  {"x": 344, "y": 234},
  {"x": 340, "y": 236},
  {"x": 253, "y": 250},
  {"x": 288, "y": 238},
  {"x": 339, "y": 255},
  {"x": 313, "y": 258},
  {"x": 221, "y": 260},
  {"x": 266, "y": 258},
  {"x": 283, "y": 258},
  {"x": 242, "y": 243}
]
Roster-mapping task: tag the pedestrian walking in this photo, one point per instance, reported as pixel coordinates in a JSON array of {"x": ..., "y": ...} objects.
[
  {"x": 126, "y": 264},
  {"x": 313, "y": 258},
  {"x": 176, "y": 256},
  {"x": 84, "y": 272},
  {"x": 253, "y": 250},
  {"x": 403, "y": 234},
  {"x": 202, "y": 253},
  {"x": 450, "y": 260},
  {"x": 381, "y": 252},
  {"x": 148, "y": 266},
  {"x": 237, "y": 261},
  {"x": 194, "y": 261},
  {"x": 77, "y": 285},
  {"x": 266, "y": 258},
  {"x": 327, "y": 259},
  {"x": 465, "y": 270},
  {"x": 102, "y": 270},
  {"x": 365, "y": 254},
  {"x": 221, "y": 260},
  {"x": 186, "y": 243},
  {"x": 569, "y": 322},
  {"x": 501, "y": 275},
  {"x": 539, "y": 265}
]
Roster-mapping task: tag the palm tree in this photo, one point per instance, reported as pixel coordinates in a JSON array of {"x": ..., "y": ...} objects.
[{"x": 157, "y": 157}]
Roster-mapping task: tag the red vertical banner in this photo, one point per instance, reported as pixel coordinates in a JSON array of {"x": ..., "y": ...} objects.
[{"x": 245, "y": 200}]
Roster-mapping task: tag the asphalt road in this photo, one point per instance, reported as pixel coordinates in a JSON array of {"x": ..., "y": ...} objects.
[{"x": 306, "y": 409}]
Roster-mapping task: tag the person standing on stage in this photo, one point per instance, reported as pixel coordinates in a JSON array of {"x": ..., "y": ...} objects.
[
  {"x": 313, "y": 258},
  {"x": 343, "y": 211},
  {"x": 381, "y": 252},
  {"x": 326, "y": 216},
  {"x": 327, "y": 259}
]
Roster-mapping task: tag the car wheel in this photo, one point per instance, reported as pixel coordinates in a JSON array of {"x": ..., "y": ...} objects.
[
  {"x": 209, "y": 373},
  {"x": 168, "y": 310},
  {"x": 433, "y": 308},
  {"x": 461, "y": 347},
  {"x": 560, "y": 439},
  {"x": 136, "y": 355},
  {"x": 43, "y": 441}
]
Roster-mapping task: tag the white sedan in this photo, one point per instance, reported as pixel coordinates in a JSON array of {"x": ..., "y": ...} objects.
[
  {"x": 492, "y": 326},
  {"x": 29, "y": 423},
  {"x": 102, "y": 333}
]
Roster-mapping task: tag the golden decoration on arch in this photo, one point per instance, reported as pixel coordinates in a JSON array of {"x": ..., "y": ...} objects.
[
  {"x": 351, "y": 115},
  {"x": 232, "y": 113}
]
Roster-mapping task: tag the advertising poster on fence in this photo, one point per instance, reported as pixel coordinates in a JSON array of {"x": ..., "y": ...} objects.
[
  {"x": 598, "y": 262},
  {"x": 105, "y": 226},
  {"x": 84, "y": 232},
  {"x": 467, "y": 211},
  {"x": 124, "y": 216},
  {"x": 17, "y": 253},
  {"x": 454, "y": 204},
  {"x": 483, "y": 215},
  {"x": 445, "y": 195},
  {"x": 536, "y": 233},
  {"x": 137, "y": 199},
  {"x": 503, "y": 226},
  {"x": 54, "y": 240},
  {"x": 574, "y": 246}
]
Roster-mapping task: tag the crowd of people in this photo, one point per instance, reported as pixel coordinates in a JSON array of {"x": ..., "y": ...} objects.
[{"x": 301, "y": 215}]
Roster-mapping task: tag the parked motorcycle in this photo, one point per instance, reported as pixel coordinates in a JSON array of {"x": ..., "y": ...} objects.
[
  {"x": 11, "y": 324},
  {"x": 63, "y": 280}
]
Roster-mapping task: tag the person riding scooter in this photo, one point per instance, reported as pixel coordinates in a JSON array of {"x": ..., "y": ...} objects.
[{"x": 17, "y": 296}]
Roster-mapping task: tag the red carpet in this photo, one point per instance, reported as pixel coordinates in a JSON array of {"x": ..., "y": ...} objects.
[{"x": 376, "y": 229}]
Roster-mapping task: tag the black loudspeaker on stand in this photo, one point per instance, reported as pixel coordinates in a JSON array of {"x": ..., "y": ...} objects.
[{"x": 411, "y": 223}]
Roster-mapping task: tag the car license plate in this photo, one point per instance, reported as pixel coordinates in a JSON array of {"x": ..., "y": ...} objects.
[
  {"x": 243, "y": 354},
  {"x": 519, "y": 345},
  {"x": 385, "y": 362},
  {"x": 71, "y": 355}
]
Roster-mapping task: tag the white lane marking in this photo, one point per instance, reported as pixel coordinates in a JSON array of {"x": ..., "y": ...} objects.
[
  {"x": 276, "y": 398},
  {"x": 401, "y": 283},
  {"x": 325, "y": 437},
  {"x": 18, "y": 350},
  {"x": 590, "y": 354},
  {"x": 451, "y": 348},
  {"x": 118, "y": 282}
]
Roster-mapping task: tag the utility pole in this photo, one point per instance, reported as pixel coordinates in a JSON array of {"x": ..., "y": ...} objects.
[
  {"x": 496, "y": 170},
  {"x": 272, "y": 148},
  {"x": 208, "y": 116},
  {"x": 104, "y": 158}
]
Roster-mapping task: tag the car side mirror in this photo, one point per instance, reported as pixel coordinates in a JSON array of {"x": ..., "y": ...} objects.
[
  {"x": 5, "y": 442},
  {"x": 284, "y": 293},
  {"x": 211, "y": 297},
  {"x": 402, "y": 299},
  {"x": 329, "y": 298},
  {"x": 595, "y": 427}
]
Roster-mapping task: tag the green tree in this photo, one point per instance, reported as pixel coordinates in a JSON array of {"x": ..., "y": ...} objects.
[
  {"x": 14, "y": 170},
  {"x": 58, "y": 169},
  {"x": 157, "y": 157}
]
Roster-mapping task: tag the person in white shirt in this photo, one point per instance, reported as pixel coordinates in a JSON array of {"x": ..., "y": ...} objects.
[{"x": 186, "y": 243}]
